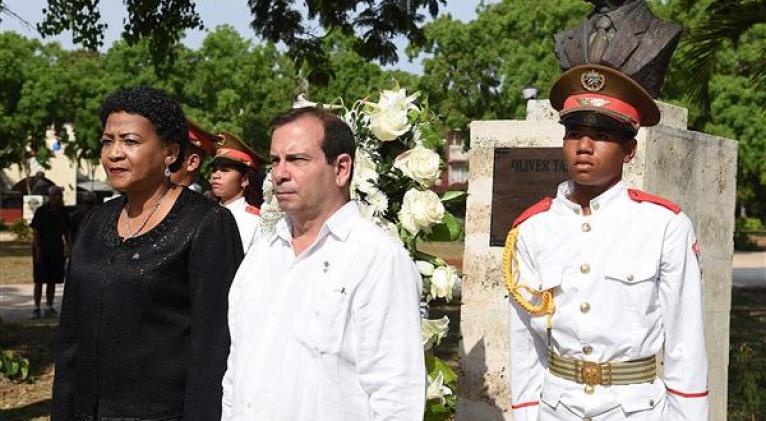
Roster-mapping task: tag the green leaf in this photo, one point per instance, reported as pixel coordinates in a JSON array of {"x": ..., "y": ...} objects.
[{"x": 453, "y": 195}]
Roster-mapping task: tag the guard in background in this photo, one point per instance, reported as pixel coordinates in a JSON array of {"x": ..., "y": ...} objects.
[
  {"x": 201, "y": 145},
  {"x": 237, "y": 184},
  {"x": 605, "y": 280}
]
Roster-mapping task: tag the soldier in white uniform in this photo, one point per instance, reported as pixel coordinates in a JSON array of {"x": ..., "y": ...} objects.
[
  {"x": 604, "y": 280},
  {"x": 236, "y": 184}
]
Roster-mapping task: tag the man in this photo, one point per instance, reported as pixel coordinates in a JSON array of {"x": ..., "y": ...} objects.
[
  {"x": 623, "y": 34},
  {"x": 323, "y": 313},
  {"x": 201, "y": 144},
  {"x": 612, "y": 273},
  {"x": 77, "y": 217},
  {"x": 49, "y": 248}
]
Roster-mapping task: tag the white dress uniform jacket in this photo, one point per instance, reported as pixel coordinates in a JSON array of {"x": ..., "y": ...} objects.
[
  {"x": 332, "y": 334},
  {"x": 247, "y": 222},
  {"x": 626, "y": 282}
]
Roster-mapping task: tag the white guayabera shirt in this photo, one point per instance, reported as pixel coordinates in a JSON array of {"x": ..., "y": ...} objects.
[
  {"x": 332, "y": 334},
  {"x": 247, "y": 222},
  {"x": 627, "y": 285}
]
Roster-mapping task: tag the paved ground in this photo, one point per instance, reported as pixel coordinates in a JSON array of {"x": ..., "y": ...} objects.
[{"x": 16, "y": 299}]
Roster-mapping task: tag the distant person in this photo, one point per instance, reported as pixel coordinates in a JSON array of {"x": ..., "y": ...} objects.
[
  {"x": 237, "y": 185},
  {"x": 201, "y": 145},
  {"x": 325, "y": 311},
  {"x": 89, "y": 200},
  {"x": 40, "y": 184},
  {"x": 51, "y": 243},
  {"x": 143, "y": 333}
]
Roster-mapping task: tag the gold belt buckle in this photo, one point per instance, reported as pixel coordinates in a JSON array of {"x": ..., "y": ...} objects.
[{"x": 592, "y": 373}]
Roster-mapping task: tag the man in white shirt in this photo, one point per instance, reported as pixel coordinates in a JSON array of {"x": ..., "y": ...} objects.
[
  {"x": 324, "y": 312},
  {"x": 605, "y": 279}
]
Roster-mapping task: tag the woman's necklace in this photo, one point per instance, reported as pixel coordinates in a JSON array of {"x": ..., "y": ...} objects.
[{"x": 146, "y": 220}]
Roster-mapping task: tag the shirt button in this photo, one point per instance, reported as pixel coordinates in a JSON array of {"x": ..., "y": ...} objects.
[
  {"x": 589, "y": 389},
  {"x": 651, "y": 403},
  {"x": 586, "y": 227},
  {"x": 585, "y": 268},
  {"x": 587, "y": 419},
  {"x": 584, "y": 307},
  {"x": 630, "y": 278},
  {"x": 595, "y": 206},
  {"x": 587, "y": 349}
]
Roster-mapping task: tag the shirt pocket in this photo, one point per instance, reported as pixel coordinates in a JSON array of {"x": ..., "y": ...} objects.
[
  {"x": 548, "y": 277},
  {"x": 636, "y": 279},
  {"x": 328, "y": 314},
  {"x": 643, "y": 397}
]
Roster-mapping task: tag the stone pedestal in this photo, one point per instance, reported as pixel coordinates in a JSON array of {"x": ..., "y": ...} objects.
[{"x": 695, "y": 170}]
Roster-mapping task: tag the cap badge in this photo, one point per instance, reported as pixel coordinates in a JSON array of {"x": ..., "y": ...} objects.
[
  {"x": 593, "y": 102},
  {"x": 593, "y": 81}
]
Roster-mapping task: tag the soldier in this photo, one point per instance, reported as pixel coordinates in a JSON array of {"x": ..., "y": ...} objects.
[
  {"x": 605, "y": 279},
  {"x": 201, "y": 144},
  {"x": 236, "y": 184}
]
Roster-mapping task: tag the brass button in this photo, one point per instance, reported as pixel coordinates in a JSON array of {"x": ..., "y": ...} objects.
[
  {"x": 589, "y": 389},
  {"x": 586, "y": 227},
  {"x": 577, "y": 211},
  {"x": 585, "y": 307},
  {"x": 595, "y": 206},
  {"x": 630, "y": 278},
  {"x": 587, "y": 349},
  {"x": 585, "y": 268},
  {"x": 587, "y": 419}
]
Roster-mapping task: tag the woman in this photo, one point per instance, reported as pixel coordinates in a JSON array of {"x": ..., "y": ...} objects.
[
  {"x": 236, "y": 183},
  {"x": 143, "y": 326}
]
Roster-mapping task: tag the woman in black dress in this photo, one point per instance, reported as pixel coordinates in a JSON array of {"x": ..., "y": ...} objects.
[{"x": 143, "y": 332}]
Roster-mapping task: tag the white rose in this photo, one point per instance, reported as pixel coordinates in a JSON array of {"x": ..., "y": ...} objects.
[
  {"x": 365, "y": 170},
  {"x": 436, "y": 389},
  {"x": 420, "y": 210},
  {"x": 433, "y": 331},
  {"x": 268, "y": 185},
  {"x": 420, "y": 164},
  {"x": 389, "y": 119},
  {"x": 425, "y": 268},
  {"x": 443, "y": 281}
]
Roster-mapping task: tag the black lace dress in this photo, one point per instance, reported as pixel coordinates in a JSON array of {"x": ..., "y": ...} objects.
[{"x": 143, "y": 333}]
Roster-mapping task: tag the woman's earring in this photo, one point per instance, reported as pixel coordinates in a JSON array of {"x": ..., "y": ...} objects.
[{"x": 167, "y": 172}]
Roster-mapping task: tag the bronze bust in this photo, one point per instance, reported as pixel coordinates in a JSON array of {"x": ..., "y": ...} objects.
[{"x": 623, "y": 34}]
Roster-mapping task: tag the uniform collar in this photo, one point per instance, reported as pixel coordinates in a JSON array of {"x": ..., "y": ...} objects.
[
  {"x": 339, "y": 224},
  {"x": 597, "y": 204},
  {"x": 237, "y": 204}
]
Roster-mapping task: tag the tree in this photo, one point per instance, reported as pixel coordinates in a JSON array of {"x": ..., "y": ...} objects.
[
  {"x": 371, "y": 24},
  {"x": 479, "y": 68}
]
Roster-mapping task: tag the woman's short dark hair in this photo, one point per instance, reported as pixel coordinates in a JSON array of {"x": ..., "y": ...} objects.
[
  {"x": 338, "y": 137},
  {"x": 163, "y": 112}
]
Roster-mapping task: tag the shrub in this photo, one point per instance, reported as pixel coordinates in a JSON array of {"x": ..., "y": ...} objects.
[
  {"x": 14, "y": 366},
  {"x": 21, "y": 229}
]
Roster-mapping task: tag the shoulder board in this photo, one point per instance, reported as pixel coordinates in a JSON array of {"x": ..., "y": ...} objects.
[
  {"x": 533, "y": 210},
  {"x": 252, "y": 209},
  {"x": 640, "y": 196}
]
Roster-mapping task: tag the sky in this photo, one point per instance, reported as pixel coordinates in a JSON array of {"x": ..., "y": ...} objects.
[{"x": 213, "y": 13}]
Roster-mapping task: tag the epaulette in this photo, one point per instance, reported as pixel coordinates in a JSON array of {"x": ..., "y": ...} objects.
[
  {"x": 252, "y": 209},
  {"x": 640, "y": 196},
  {"x": 533, "y": 210}
]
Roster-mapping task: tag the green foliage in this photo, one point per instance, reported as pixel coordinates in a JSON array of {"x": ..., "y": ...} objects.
[
  {"x": 13, "y": 366},
  {"x": 435, "y": 409},
  {"x": 20, "y": 228},
  {"x": 744, "y": 227},
  {"x": 747, "y": 394},
  {"x": 479, "y": 68}
]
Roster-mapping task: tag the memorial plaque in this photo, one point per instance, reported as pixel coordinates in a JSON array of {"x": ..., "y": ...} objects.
[{"x": 521, "y": 177}]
